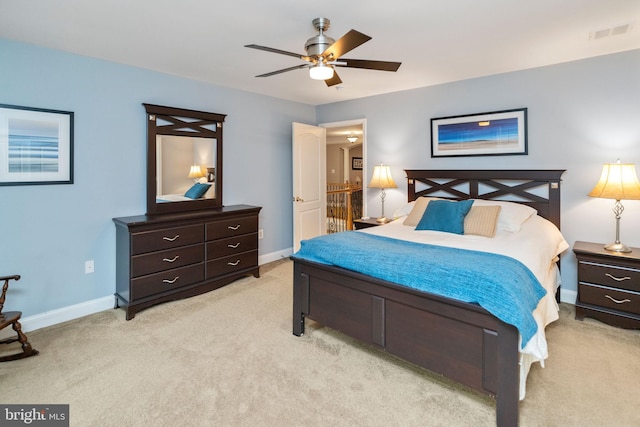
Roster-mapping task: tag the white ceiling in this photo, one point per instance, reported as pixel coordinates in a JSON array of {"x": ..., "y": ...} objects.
[{"x": 436, "y": 41}]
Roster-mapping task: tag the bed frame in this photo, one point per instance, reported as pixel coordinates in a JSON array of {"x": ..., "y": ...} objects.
[{"x": 458, "y": 340}]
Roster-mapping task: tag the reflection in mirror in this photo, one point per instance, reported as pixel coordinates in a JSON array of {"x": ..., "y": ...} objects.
[
  {"x": 184, "y": 159},
  {"x": 181, "y": 162}
]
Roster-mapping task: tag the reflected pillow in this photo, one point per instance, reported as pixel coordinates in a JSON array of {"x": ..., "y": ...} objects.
[
  {"x": 197, "y": 191},
  {"x": 443, "y": 215}
]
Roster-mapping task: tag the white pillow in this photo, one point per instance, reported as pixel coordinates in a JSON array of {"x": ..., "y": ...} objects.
[
  {"x": 404, "y": 211},
  {"x": 512, "y": 214}
]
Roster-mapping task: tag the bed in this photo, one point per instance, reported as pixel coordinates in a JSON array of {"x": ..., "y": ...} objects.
[{"x": 459, "y": 340}]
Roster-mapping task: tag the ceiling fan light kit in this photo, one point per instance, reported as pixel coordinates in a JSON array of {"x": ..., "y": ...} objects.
[
  {"x": 320, "y": 71},
  {"x": 324, "y": 54}
]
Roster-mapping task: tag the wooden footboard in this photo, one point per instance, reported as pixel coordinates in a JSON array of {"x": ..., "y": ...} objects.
[{"x": 458, "y": 340}]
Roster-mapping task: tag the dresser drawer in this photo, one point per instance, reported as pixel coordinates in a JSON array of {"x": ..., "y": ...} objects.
[
  {"x": 232, "y": 245},
  {"x": 232, "y": 227},
  {"x": 221, "y": 266},
  {"x": 166, "y": 281},
  {"x": 165, "y": 260},
  {"x": 612, "y": 275},
  {"x": 166, "y": 238},
  {"x": 616, "y": 299}
]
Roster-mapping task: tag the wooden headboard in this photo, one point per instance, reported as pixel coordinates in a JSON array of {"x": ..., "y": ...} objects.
[{"x": 539, "y": 189}]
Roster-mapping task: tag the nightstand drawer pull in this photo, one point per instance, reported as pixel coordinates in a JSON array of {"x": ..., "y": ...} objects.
[
  {"x": 233, "y": 246},
  {"x": 174, "y": 259},
  {"x": 618, "y": 279},
  {"x": 171, "y": 239},
  {"x": 171, "y": 282},
  {"x": 233, "y": 227},
  {"x": 234, "y": 263},
  {"x": 617, "y": 301}
]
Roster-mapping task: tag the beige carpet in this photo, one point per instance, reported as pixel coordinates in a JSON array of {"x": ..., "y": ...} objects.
[{"x": 228, "y": 358}]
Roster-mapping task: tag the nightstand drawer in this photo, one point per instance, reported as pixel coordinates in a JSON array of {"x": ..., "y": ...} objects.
[
  {"x": 616, "y": 299},
  {"x": 615, "y": 276}
]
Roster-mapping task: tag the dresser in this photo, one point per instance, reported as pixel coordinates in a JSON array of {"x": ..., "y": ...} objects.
[
  {"x": 608, "y": 285},
  {"x": 166, "y": 257}
]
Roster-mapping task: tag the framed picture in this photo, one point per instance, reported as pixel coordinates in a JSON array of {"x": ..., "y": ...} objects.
[
  {"x": 496, "y": 133},
  {"x": 356, "y": 163},
  {"x": 36, "y": 146}
]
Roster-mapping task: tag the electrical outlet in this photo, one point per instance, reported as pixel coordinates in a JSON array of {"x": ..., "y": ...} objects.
[
  {"x": 261, "y": 234},
  {"x": 88, "y": 267}
]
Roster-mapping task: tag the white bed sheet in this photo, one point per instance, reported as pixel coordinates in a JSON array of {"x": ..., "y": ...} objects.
[{"x": 537, "y": 245}]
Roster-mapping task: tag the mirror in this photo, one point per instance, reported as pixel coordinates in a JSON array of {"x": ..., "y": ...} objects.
[{"x": 184, "y": 159}]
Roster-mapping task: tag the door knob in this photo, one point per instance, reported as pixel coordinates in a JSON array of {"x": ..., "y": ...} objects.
[{"x": 297, "y": 199}]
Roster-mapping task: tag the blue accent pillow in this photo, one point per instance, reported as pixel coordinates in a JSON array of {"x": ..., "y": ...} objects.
[
  {"x": 443, "y": 215},
  {"x": 197, "y": 190}
]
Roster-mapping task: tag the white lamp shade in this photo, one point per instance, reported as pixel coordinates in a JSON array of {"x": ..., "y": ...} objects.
[
  {"x": 382, "y": 178},
  {"x": 618, "y": 181}
]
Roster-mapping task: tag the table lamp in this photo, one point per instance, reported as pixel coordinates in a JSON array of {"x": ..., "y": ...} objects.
[
  {"x": 618, "y": 181},
  {"x": 382, "y": 179}
]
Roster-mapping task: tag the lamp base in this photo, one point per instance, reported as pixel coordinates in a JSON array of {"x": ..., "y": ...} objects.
[{"x": 617, "y": 247}]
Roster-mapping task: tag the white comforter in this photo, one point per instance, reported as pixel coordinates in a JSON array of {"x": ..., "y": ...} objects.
[{"x": 537, "y": 245}]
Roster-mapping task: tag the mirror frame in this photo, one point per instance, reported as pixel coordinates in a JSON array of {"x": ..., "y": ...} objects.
[{"x": 176, "y": 126}]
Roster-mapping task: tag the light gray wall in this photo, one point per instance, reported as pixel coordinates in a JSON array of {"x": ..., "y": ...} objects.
[
  {"x": 48, "y": 231},
  {"x": 580, "y": 115}
]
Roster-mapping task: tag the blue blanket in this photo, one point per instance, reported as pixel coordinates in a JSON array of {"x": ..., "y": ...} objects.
[{"x": 502, "y": 285}]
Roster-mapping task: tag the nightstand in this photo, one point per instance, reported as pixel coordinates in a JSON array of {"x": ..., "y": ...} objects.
[
  {"x": 361, "y": 223},
  {"x": 608, "y": 285}
]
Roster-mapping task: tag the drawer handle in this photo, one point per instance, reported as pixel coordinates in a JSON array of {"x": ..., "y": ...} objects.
[
  {"x": 618, "y": 279},
  {"x": 232, "y": 227},
  {"x": 171, "y": 239},
  {"x": 171, "y": 282},
  {"x": 174, "y": 259},
  {"x": 617, "y": 301},
  {"x": 234, "y": 263},
  {"x": 233, "y": 246}
]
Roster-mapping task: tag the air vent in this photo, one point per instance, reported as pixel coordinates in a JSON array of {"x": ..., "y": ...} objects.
[{"x": 611, "y": 31}]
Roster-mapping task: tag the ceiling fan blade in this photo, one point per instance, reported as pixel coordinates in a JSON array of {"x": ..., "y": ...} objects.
[
  {"x": 348, "y": 42},
  {"x": 284, "y": 70},
  {"x": 335, "y": 80},
  {"x": 279, "y": 51},
  {"x": 370, "y": 65}
]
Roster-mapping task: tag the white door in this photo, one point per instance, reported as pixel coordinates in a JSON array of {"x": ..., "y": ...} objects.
[{"x": 309, "y": 182}]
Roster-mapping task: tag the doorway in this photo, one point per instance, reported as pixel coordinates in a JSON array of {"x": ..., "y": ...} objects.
[{"x": 346, "y": 171}]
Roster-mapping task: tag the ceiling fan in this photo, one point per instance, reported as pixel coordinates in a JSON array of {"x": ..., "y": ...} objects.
[{"x": 324, "y": 53}]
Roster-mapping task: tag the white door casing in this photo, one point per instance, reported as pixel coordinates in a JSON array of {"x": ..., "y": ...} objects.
[{"x": 309, "y": 182}]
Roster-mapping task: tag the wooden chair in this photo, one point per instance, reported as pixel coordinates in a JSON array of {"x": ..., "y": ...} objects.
[{"x": 11, "y": 318}]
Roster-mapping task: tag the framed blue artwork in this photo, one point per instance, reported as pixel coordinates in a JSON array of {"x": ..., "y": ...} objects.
[
  {"x": 495, "y": 133},
  {"x": 36, "y": 146}
]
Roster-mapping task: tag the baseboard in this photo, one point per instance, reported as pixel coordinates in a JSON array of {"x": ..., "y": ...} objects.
[
  {"x": 64, "y": 314},
  {"x": 76, "y": 311},
  {"x": 275, "y": 256},
  {"x": 568, "y": 296}
]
